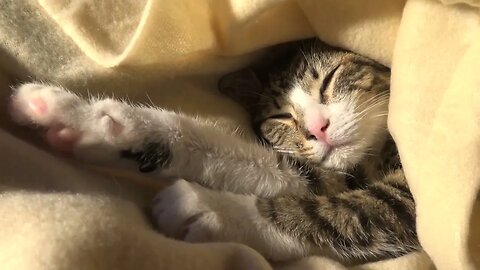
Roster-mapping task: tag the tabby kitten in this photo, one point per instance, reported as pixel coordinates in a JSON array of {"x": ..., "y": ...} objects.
[{"x": 326, "y": 178}]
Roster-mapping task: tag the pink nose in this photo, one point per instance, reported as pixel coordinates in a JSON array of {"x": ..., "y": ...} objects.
[{"x": 319, "y": 128}]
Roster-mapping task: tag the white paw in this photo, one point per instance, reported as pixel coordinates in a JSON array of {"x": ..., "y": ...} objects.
[
  {"x": 45, "y": 105},
  {"x": 74, "y": 125},
  {"x": 40, "y": 104},
  {"x": 182, "y": 211},
  {"x": 189, "y": 212}
]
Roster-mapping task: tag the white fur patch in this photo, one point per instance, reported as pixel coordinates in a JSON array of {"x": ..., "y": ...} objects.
[{"x": 300, "y": 98}]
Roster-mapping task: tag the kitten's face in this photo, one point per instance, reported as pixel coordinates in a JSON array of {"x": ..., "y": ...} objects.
[{"x": 327, "y": 106}]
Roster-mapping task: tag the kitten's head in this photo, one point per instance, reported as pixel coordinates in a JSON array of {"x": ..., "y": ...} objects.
[{"x": 316, "y": 103}]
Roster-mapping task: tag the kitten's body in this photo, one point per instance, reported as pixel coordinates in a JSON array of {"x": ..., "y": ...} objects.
[{"x": 333, "y": 191}]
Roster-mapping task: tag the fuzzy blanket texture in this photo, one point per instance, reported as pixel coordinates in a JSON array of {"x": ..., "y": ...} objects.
[{"x": 58, "y": 214}]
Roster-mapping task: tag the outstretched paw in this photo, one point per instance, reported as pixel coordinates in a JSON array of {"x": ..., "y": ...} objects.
[
  {"x": 45, "y": 106},
  {"x": 95, "y": 130},
  {"x": 39, "y": 104}
]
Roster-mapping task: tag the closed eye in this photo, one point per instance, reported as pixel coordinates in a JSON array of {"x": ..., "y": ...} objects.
[
  {"x": 282, "y": 116},
  {"x": 327, "y": 80}
]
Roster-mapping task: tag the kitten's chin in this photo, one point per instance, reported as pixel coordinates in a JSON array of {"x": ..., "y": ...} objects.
[
  {"x": 345, "y": 156},
  {"x": 338, "y": 164},
  {"x": 341, "y": 158}
]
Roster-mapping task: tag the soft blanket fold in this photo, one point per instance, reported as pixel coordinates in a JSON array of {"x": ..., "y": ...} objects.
[{"x": 170, "y": 52}]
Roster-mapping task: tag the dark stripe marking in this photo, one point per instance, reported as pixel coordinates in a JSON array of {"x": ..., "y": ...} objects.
[
  {"x": 398, "y": 206},
  {"x": 327, "y": 79}
]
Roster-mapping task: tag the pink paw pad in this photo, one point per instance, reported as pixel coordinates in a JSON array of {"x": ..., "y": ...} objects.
[
  {"x": 63, "y": 138},
  {"x": 38, "y": 106},
  {"x": 115, "y": 127}
]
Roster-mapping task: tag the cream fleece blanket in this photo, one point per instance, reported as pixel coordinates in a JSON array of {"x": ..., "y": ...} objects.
[{"x": 55, "y": 214}]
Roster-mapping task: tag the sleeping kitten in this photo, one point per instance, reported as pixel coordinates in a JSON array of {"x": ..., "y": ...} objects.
[{"x": 326, "y": 178}]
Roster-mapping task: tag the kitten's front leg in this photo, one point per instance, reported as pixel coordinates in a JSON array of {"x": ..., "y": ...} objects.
[
  {"x": 100, "y": 131},
  {"x": 112, "y": 132}
]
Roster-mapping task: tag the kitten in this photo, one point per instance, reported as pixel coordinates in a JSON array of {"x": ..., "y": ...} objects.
[{"x": 326, "y": 178}]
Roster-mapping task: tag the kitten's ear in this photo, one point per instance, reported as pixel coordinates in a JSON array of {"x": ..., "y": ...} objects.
[{"x": 242, "y": 86}]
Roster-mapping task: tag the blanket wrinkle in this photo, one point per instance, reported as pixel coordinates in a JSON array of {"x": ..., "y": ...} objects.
[
  {"x": 58, "y": 214},
  {"x": 238, "y": 27},
  {"x": 474, "y": 3}
]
